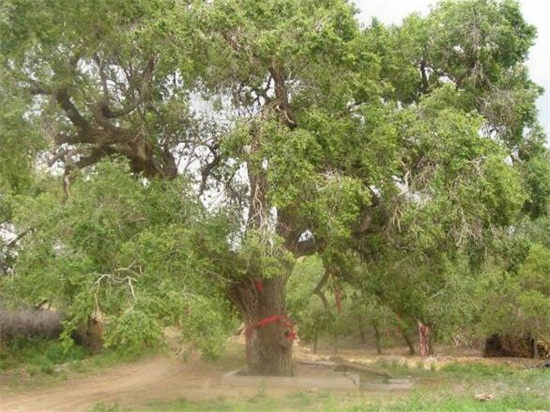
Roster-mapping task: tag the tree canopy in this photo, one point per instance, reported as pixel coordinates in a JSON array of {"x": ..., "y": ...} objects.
[{"x": 203, "y": 146}]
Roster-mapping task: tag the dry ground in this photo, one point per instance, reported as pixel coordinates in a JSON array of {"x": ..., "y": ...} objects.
[{"x": 167, "y": 378}]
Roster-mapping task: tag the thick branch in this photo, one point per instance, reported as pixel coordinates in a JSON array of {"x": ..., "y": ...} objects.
[
  {"x": 319, "y": 290},
  {"x": 207, "y": 169},
  {"x": 98, "y": 136},
  {"x": 94, "y": 156},
  {"x": 286, "y": 114},
  {"x": 64, "y": 100}
]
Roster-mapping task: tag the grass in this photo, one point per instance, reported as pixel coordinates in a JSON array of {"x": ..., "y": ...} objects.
[
  {"x": 453, "y": 388},
  {"x": 31, "y": 363},
  {"x": 35, "y": 362},
  {"x": 298, "y": 401}
]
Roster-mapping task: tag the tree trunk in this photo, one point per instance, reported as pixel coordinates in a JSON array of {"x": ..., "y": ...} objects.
[
  {"x": 377, "y": 337},
  {"x": 315, "y": 342},
  {"x": 536, "y": 354},
  {"x": 409, "y": 342},
  {"x": 362, "y": 335},
  {"x": 269, "y": 333},
  {"x": 432, "y": 338}
]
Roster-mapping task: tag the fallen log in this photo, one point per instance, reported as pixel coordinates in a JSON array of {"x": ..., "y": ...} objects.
[
  {"x": 29, "y": 323},
  {"x": 47, "y": 324}
]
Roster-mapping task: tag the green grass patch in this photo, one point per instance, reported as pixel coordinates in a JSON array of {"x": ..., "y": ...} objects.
[
  {"x": 103, "y": 407},
  {"x": 36, "y": 362},
  {"x": 455, "y": 386},
  {"x": 29, "y": 363},
  {"x": 261, "y": 401},
  {"x": 451, "y": 389},
  {"x": 37, "y": 352},
  {"x": 477, "y": 370}
]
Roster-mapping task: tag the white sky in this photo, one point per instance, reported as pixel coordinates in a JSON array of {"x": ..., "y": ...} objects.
[{"x": 536, "y": 12}]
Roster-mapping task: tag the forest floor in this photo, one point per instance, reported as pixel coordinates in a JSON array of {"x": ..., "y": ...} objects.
[{"x": 158, "y": 380}]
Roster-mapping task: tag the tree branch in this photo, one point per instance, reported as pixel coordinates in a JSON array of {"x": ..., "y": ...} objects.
[
  {"x": 64, "y": 100},
  {"x": 319, "y": 290}
]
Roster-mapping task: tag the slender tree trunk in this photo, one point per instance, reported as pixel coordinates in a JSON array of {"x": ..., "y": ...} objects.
[
  {"x": 534, "y": 341},
  {"x": 377, "y": 337},
  {"x": 269, "y": 334},
  {"x": 432, "y": 338},
  {"x": 315, "y": 341},
  {"x": 402, "y": 327},
  {"x": 362, "y": 336},
  {"x": 409, "y": 342}
]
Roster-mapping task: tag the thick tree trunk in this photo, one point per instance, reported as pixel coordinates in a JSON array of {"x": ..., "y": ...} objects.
[{"x": 269, "y": 333}]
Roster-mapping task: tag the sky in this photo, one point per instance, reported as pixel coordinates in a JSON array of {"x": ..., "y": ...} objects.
[{"x": 536, "y": 12}]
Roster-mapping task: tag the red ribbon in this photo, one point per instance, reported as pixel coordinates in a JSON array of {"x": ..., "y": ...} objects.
[
  {"x": 259, "y": 285},
  {"x": 282, "y": 319}
]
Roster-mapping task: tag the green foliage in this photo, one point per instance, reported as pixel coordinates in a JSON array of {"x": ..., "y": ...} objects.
[
  {"x": 206, "y": 322},
  {"x": 518, "y": 302},
  {"x": 262, "y": 253},
  {"x": 37, "y": 353},
  {"x": 306, "y": 309},
  {"x": 125, "y": 248}
]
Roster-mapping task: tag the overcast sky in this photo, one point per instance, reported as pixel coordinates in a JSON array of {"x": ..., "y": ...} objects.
[{"x": 536, "y": 12}]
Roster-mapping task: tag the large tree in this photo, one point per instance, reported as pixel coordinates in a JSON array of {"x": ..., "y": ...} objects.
[
  {"x": 402, "y": 144},
  {"x": 470, "y": 152}
]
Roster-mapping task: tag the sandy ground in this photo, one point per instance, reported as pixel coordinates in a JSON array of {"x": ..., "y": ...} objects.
[
  {"x": 158, "y": 378},
  {"x": 167, "y": 378}
]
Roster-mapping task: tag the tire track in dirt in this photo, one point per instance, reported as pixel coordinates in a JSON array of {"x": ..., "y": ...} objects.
[{"x": 153, "y": 379}]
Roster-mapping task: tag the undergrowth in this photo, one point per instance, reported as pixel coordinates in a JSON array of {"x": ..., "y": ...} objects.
[{"x": 34, "y": 362}]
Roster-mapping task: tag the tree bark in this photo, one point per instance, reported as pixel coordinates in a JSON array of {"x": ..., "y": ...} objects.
[
  {"x": 432, "y": 338},
  {"x": 269, "y": 334},
  {"x": 409, "y": 342},
  {"x": 377, "y": 338}
]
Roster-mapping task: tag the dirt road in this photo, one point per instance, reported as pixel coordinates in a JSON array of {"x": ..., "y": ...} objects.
[
  {"x": 165, "y": 378},
  {"x": 153, "y": 379},
  {"x": 158, "y": 378}
]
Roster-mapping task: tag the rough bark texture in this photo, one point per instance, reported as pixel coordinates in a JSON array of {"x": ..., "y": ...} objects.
[
  {"x": 45, "y": 323},
  {"x": 29, "y": 323},
  {"x": 269, "y": 346}
]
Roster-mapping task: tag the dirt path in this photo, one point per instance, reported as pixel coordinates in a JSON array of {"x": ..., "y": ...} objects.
[
  {"x": 162, "y": 379},
  {"x": 159, "y": 378},
  {"x": 152, "y": 379}
]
